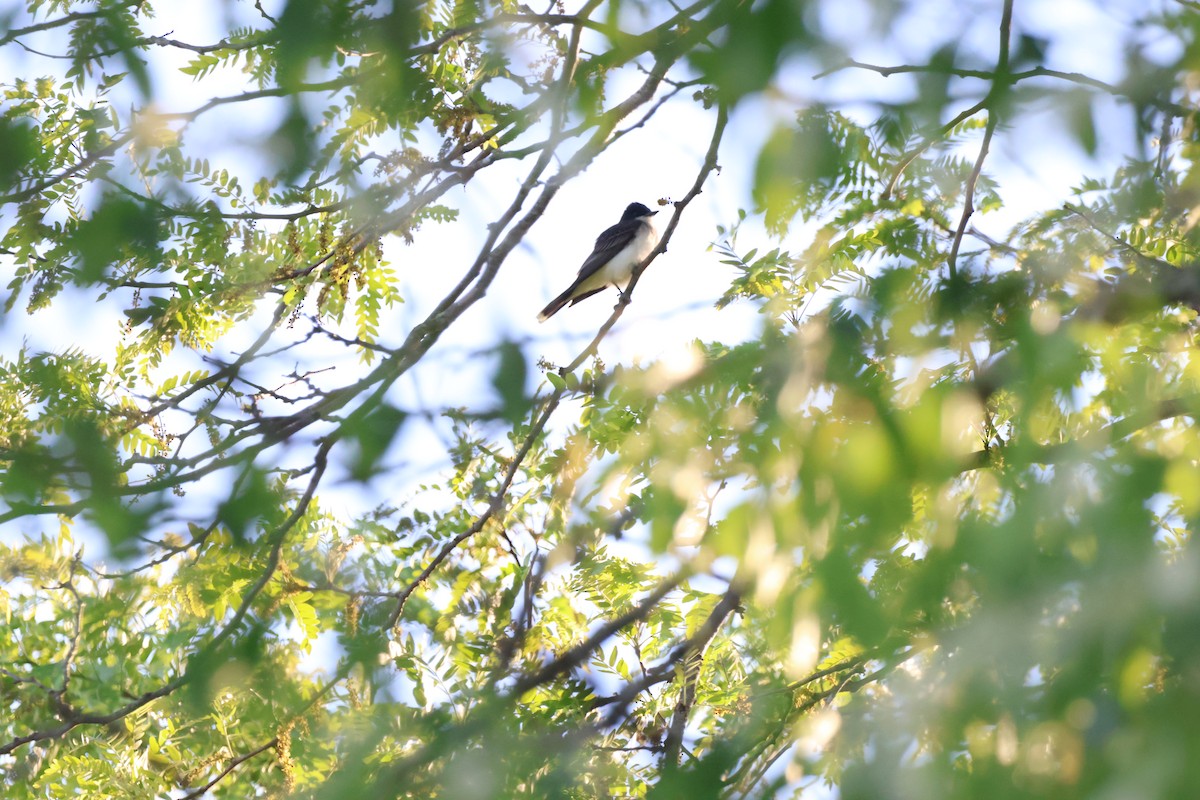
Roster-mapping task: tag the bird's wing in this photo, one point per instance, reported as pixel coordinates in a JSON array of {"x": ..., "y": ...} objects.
[{"x": 608, "y": 244}]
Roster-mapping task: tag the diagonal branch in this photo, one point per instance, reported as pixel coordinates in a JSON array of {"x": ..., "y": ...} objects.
[{"x": 692, "y": 659}]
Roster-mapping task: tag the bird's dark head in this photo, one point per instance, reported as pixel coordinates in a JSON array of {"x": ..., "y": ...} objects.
[{"x": 635, "y": 210}]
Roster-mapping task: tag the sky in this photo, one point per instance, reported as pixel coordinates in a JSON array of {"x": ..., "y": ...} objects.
[{"x": 1035, "y": 164}]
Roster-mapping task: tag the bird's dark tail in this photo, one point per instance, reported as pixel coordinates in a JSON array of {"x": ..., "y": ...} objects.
[
  {"x": 564, "y": 299},
  {"x": 556, "y": 305}
]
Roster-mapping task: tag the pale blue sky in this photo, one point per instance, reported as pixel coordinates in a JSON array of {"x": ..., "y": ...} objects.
[{"x": 1035, "y": 164}]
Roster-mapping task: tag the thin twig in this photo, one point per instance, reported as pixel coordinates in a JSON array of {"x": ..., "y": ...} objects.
[
  {"x": 230, "y": 767},
  {"x": 969, "y": 200},
  {"x": 1000, "y": 83}
]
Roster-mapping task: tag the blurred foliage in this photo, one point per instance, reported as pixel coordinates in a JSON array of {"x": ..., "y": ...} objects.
[{"x": 925, "y": 534}]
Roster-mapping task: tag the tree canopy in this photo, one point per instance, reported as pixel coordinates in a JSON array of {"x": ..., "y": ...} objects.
[{"x": 925, "y": 532}]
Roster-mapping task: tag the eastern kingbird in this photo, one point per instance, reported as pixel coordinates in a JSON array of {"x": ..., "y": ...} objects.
[{"x": 618, "y": 250}]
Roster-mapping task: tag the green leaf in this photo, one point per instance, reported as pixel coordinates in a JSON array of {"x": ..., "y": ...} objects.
[
  {"x": 509, "y": 382},
  {"x": 372, "y": 435}
]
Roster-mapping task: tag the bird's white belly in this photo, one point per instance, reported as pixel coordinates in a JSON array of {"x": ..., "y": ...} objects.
[{"x": 619, "y": 269}]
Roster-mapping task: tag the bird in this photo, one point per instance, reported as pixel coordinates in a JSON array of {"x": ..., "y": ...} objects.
[{"x": 618, "y": 250}]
